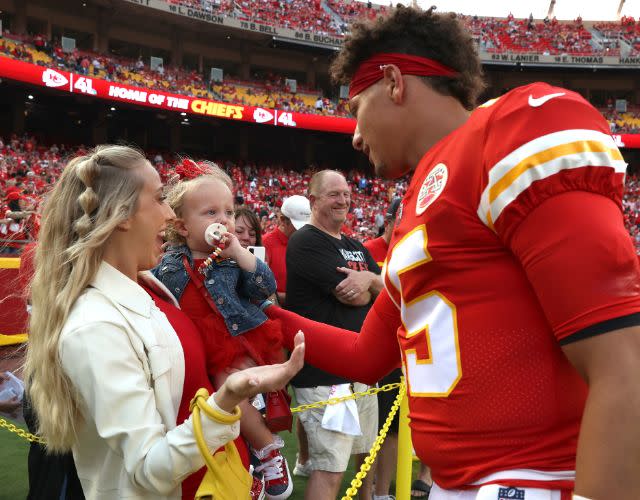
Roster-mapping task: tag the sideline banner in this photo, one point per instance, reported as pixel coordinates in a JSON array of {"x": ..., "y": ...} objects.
[
  {"x": 65, "y": 81},
  {"x": 627, "y": 140},
  {"x": 103, "y": 89}
]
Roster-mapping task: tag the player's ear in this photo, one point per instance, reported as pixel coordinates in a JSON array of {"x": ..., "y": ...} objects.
[{"x": 394, "y": 83}]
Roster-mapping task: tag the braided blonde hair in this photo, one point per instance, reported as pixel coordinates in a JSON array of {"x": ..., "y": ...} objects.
[
  {"x": 177, "y": 192},
  {"x": 95, "y": 193}
]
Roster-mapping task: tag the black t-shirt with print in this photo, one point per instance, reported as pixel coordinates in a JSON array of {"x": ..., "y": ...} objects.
[{"x": 313, "y": 257}]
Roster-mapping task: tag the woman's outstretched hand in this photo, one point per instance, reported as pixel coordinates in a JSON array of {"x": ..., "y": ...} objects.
[{"x": 247, "y": 383}]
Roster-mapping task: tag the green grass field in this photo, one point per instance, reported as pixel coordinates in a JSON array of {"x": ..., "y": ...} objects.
[
  {"x": 13, "y": 471},
  {"x": 13, "y": 467}
]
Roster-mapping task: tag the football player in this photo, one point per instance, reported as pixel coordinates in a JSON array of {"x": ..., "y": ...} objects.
[{"x": 512, "y": 287}]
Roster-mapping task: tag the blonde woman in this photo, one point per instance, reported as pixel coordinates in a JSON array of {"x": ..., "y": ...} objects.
[{"x": 106, "y": 367}]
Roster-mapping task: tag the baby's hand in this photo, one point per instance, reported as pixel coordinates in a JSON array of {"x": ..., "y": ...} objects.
[
  {"x": 233, "y": 250},
  {"x": 232, "y": 246}
]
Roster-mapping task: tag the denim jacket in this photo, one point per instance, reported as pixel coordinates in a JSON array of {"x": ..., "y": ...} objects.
[{"x": 231, "y": 288}]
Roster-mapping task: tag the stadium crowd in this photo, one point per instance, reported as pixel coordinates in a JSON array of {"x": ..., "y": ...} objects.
[
  {"x": 350, "y": 11},
  {"x": 548, "y": 37},
  {"x": 509, "y": 34},
  {"x": 627, "y": 29},
  {"x": 28, "y": 170},
  {"x": 622, "y": 122},
  {"x": 300, "y": 15}
]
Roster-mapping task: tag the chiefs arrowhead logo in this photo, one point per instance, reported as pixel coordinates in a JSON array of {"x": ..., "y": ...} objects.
[
  {"x": 432, "y": 187},
  {"x": 262, "y": 115},
  {"x": 52, "y": 78}
]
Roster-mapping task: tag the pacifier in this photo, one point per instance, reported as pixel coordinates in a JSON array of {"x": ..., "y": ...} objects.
[
  {"x": 213, "y": 234},
  {"x": 213, "y": 237}
]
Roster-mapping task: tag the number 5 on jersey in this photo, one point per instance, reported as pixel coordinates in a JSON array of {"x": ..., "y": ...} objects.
[{"x": 429, "y": 342}]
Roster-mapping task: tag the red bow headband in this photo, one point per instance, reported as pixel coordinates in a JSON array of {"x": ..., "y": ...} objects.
[
  {"x": 370, "y": 71},
  {"x": 189, "y": 169}
]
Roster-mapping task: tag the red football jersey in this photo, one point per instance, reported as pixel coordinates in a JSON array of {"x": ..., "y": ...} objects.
[{"x": 491, "y": 395}]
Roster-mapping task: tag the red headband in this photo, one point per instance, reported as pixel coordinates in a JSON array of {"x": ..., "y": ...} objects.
[{"x": 370, "y": 71}]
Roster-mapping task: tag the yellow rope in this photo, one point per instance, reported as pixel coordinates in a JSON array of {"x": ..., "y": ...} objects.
[
  {"x": 355, "y": 395},
  {"x": 356, "y": 482},
  {"x": 374, "y": 390}
]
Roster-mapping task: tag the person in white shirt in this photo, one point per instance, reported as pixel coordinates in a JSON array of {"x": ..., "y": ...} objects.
[{"x": 105, "y": 367}]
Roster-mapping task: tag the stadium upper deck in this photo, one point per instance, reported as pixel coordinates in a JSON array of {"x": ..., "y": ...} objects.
[{"x": 546, "y": 37}]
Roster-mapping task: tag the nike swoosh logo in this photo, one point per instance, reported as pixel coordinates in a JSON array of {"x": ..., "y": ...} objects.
[{"x": 536, "y": 102}]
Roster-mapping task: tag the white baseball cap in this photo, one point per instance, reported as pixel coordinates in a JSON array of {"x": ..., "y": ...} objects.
[{"x": 297, "y": 209}]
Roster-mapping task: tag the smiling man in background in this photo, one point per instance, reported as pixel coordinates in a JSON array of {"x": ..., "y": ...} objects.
[{"x": 332, "y": 279}]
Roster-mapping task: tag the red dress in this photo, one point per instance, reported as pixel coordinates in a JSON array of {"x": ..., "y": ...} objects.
[
  {"x": 195, "y": 377},
  {"x": 221, "y": 349}
]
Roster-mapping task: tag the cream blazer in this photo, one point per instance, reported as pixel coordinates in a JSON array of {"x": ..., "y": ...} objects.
[{"x": 127, "y": 365}]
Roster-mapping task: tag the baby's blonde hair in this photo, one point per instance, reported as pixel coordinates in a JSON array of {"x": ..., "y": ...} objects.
[{"x": 177, "y": 193}]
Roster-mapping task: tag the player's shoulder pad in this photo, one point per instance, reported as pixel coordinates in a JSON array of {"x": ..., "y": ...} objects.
[
  {"x": 539, "y": 99},
  {"x": 535, "y": 132}
]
